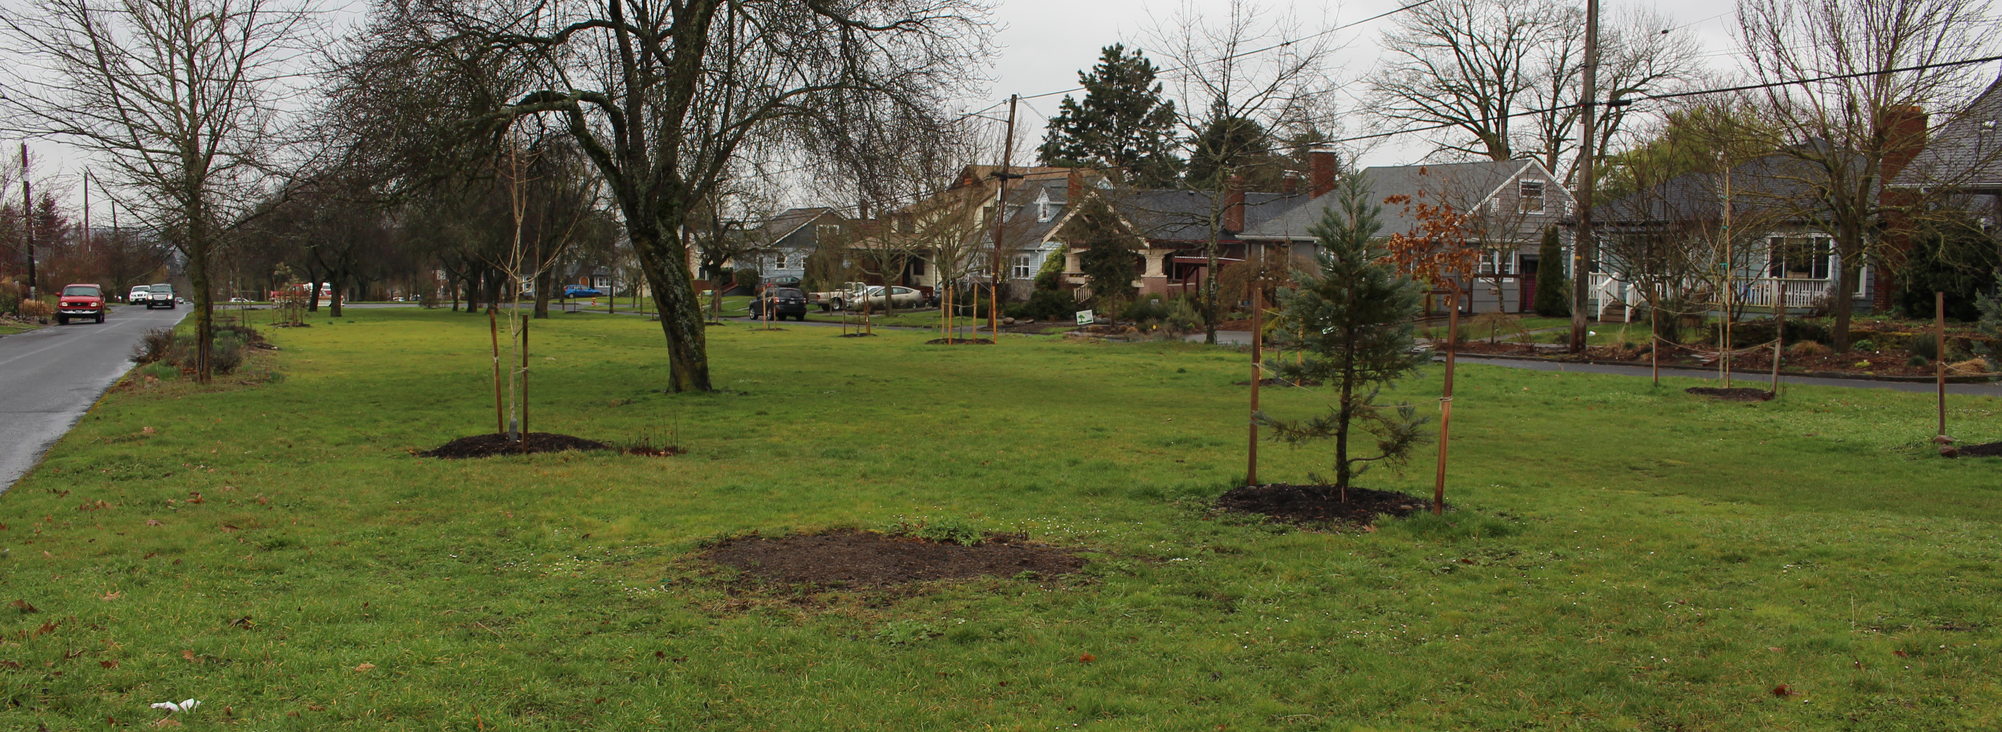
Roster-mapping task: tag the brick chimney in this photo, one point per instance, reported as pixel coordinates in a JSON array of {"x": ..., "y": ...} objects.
[
  {"x": 1320, "y": 173},
  {"x": 1904, "y": 137},
  {"x": 1904, "y": 130},
  {"x": 1233, "y": 205},
  {"x": 862, "y": 208},
  {"x": 1074, "y": 186}
]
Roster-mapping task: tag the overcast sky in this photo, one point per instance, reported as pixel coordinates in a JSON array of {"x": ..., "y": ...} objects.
[{"x": 1043, "y": 43}]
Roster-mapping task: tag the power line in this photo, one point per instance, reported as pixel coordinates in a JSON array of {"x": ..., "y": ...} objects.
[
  {"x": 1618, "y": 102},
  {"x": 1262, "y": 49}
]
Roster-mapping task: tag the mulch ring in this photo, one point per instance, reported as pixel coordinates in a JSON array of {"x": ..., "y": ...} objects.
[
  {"x": 858, "y": 335},
  {"x": 959, "y": 342},
  {"x": 490, "y": 445},
  {"x": 1320, "y": 504},
  {"x": 846, "y": 558},
  {"x": 1733, "y": 394},
  {"x": 1990, "y": 449}
]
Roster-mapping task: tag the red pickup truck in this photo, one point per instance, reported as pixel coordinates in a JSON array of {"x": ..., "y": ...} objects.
[{"x": 79, "y": 302}]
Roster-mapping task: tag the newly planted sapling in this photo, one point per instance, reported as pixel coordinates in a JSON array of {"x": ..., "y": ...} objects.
[{"x": 1356, "y": 314}]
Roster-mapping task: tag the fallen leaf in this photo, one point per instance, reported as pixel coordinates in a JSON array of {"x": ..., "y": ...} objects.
[
  {"x": 167, "y": 722},
  {"x": 365, "y": 667},
  {"x": 190, "y": 655},
  {"x": 16, "y": 665},
  {"x": 243, "y": 622},
  {"x": 24, "y": 607},
  {"x": 196, "y": 497},
  {"x": 1901, "y": 654},
  {"x": 1783, "y": 691},
  {"x": 155, "y": 522},
  {"x": 1086, "y": 658},
  {"x": 108, "y": 664},
  {"x": 109, "y": 596},
  {"x": 46, "y": 629}
]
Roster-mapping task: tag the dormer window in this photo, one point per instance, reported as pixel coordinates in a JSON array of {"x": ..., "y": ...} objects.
[
  {"x": 1045, "y": 210},
  {"x": 1530, "y": 196}
]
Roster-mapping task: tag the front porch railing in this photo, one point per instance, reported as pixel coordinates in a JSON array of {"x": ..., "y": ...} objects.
[{"x": 1611, "y": 291}]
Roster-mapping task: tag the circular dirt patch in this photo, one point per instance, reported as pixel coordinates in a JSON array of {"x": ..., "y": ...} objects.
[
  {"x": 849, "y": 558},
  {"x": 959, "y": 342},
  {"x": 1991, "y": 449},
  {"x": 1320, "y": 503},
  {"x": 479, "y": 446},
  {"x": 1734, "y": 394},
  {"x": 858, "y": 335}
]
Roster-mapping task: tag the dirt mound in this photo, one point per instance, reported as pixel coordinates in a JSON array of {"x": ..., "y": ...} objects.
[
  {"x": 479, "y": 446},
  {"x": 1990, "y": 449},
  {"x": 1320, "y": 503},
  {"x": 848, "y": 558},
  {"x": 959, "y": 342},
  {"x": 1733, "y": 394}
]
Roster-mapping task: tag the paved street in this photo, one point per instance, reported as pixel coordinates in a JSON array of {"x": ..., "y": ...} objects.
[{"x": 49, "y": 377}]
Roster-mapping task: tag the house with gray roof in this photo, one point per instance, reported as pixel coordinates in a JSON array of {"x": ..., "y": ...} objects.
[
  {"x": 781, "y": 245},
  {"x": 1511, "y": 203}
]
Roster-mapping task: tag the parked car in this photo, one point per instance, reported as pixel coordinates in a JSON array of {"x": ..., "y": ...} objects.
[
  {"x": 784, "y": 301},
  {"x": 903, "y": 297},
  {"x": 80, "y": 301},
  {"x": 160, "y": 295},
  {"x": 239, "y": 299},
  {"x": 139, "y": 294},
  {"x": 582, "y": 291}
]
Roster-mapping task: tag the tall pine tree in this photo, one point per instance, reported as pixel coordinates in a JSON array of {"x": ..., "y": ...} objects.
[{"x": 1122, "y": 122}]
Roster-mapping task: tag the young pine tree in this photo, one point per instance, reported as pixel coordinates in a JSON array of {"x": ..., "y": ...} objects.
[{"x": 1357, "y": 313}]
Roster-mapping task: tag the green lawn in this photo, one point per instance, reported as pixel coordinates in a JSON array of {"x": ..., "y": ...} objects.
[
  {"x": 1622, "y": 558},
  {"x": 10, "y": 327}
]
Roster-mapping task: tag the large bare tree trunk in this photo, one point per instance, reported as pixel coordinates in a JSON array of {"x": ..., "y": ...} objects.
[{"x": 680, "y": 309}]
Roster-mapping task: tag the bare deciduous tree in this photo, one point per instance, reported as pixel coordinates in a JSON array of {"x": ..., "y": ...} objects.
[
  {"x": 1870, "y": 66},
  {"x": 177, "y": 97},
  {"x": 1502, "y": 78},
  {"x": 1244, "y": 82},
  {"x": 663, "y": 97}
]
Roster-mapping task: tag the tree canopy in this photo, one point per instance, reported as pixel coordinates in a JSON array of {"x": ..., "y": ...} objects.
[{"x": 1122, "y": 122}]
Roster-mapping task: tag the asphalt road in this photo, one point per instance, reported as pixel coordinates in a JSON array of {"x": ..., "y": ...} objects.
[{"x": 50, "y": 377}]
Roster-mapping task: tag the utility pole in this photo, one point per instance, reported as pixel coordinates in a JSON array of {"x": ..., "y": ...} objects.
[
  {"x": 28, "y": 218},
  {"x": 1582, "y": 245},
  {"x": 1000, "y": 216}
]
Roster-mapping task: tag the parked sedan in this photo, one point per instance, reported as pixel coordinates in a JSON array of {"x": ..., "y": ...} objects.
[
  {"x": 785, "y": 302},
  {"x": 902, "y": 297}
]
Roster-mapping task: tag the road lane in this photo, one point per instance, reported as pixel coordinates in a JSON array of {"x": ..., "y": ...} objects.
[{"x": 50, "y": 377}]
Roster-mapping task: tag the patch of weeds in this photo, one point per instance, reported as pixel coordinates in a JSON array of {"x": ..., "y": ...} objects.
[
  {"x": 944, "y": 530},
  {"x": 907, "y": 632}
]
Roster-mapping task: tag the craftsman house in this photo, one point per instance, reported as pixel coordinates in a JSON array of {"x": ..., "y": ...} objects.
[
  {"x": 1510, "y": 203},
  {"x": 779, "y": 247}
]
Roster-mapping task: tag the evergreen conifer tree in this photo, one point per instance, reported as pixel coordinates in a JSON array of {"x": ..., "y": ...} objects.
[
  {"x": 1357, "y": 316},
  {"x": 1553, "y": 289},
  {"x": 1122, "y": 122}
]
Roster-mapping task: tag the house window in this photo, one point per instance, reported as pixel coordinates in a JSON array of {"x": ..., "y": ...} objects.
[
  {"x": 917, "y": 267},
  {"x": 1497, "y": 263},
  {"x": 1530, "y": 196},
  {"x": 1045, "y": 211},
  {"x": 779, "y": 261},
  {"x": 1800, "y": 257},
  {"x": 1024, "y": 267},
  {"x": 825, "y": 233}
]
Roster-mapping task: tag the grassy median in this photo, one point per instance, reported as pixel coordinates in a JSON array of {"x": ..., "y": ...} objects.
[{"x": 1620, "y": 556}]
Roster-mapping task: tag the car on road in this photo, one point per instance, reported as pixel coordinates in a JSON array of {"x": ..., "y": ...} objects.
[
  {"x": 903, "y": 297},
  {"x": 582, "y": 291},
  {"x": 80, "y": 302},
  {"x": 139, "y": 294},
  {"x": 785, "y": 302},
  {"x": 160, "y": 295}
]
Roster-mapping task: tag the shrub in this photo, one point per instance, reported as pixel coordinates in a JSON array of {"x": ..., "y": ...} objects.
[
  {"x": 1141, "y": 311},
  {"x": 1924, "y": 345},
  {"x": 10, "y": 296},
  {"x": 745, "y": 277},
  {"x": 226, "y": 352},
  {"x": 1863, "y": 345},
  {"x": 37, "y": 310},
  {"x": 1809, "y": 348},
  {"x": 154, "y": 346},
  {"x": 1045, "y": 305}
]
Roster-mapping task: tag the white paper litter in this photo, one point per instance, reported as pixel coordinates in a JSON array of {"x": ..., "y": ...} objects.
[{"x": 186, "y": 705}]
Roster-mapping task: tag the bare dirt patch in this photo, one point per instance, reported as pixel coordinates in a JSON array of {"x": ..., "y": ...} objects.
[
  {"x": 489, "y": 445},
  {"x": 865, "y": 559},
  {"x": 1733, "y": 394},
  {"x": 1277, "y": 381},
  {"x": 1320, "y": 504},
  {"x": 1989, "y": 449},
  {"x": 959, "y": 342}
]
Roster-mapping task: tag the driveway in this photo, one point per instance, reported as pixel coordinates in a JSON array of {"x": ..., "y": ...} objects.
[{"x": 50, "y": 377}]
